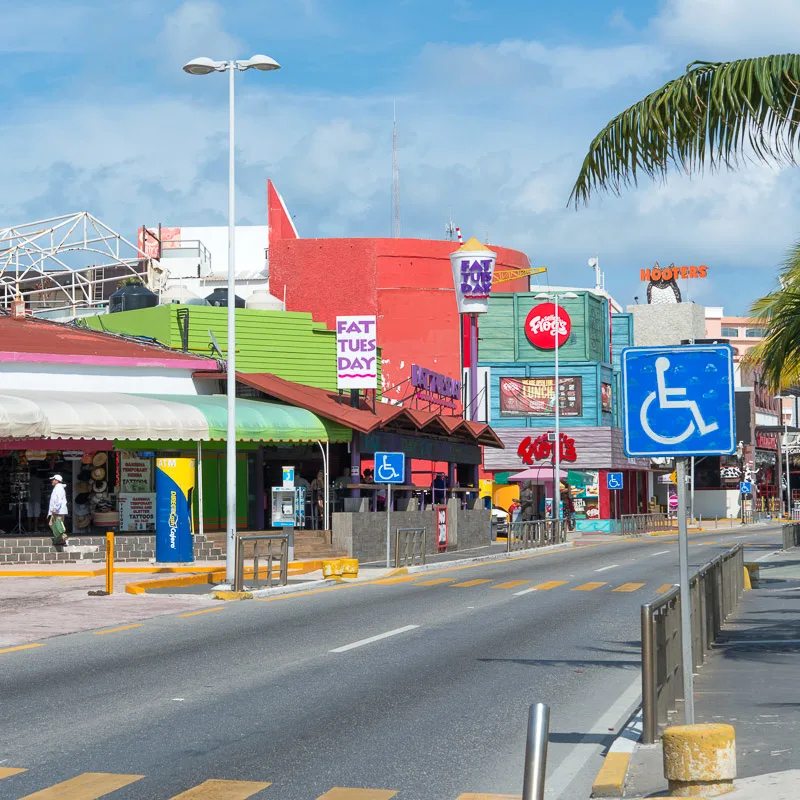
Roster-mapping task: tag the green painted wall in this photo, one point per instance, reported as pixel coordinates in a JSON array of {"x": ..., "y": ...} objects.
[{"x": 286, "y": 343}]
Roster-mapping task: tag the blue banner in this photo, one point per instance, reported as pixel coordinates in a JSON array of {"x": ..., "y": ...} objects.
[{"x": 174, "y": 488}]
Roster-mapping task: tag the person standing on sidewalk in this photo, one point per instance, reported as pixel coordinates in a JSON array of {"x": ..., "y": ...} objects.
[{"x": 58, "y": 510}]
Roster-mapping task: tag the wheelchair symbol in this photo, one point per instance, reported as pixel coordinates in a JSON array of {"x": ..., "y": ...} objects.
[
  {"x": 665, "y": 402},
  {"x": 386, "y": 471},
  {"x": 614, "y": 481}
]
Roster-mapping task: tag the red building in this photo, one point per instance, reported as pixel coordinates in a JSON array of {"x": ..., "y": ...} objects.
[{"x": 407, "y": 283}]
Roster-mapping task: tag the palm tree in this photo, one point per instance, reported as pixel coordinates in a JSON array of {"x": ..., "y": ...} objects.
[{"x": 715, "y": 115}]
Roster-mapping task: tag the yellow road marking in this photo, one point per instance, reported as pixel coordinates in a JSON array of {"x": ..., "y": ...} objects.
[
  {"x": 20, "y": 647},
  {"x": 356, "y": 794},
  {"x": 88, "y": 786},
  {"x": 589, "y": 587},
  {"x": 7, "y": 772},
  {"x": 628, "y": 587},
  {"x": 434, "y": 582},
  {"x": 508, "y": 585},
  {"x": 401, "y": 579},
  {"x": 222, "y": 790},
  {"x": 707, "y": 543},
  {"x": 307, "y": 592},
  {"x": 116, "y": 630},
  {"x": 475, "y": 582},
  {"x": 543, "y": 587},
  {"x": 204, "y": 611},
  {"x": 488, "y": 797},
  {"x": 665, "y": 588}
]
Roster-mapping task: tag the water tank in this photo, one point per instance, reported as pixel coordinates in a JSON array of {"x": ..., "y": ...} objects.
[
  {"x": 180, "y": 293},
  {"x": 219, "y": 297},
  {"x": 264, "y": 301},
  {"x": 132, "y": 296}
]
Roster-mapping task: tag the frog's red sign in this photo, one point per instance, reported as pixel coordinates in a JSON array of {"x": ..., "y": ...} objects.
[{"x": 546, "y": 331}]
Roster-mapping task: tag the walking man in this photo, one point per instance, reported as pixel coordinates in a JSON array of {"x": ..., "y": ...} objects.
[{"x": 58, "y": 510}]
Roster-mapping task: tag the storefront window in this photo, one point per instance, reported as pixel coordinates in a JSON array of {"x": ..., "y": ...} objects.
[{"x": 584, "y": 488}]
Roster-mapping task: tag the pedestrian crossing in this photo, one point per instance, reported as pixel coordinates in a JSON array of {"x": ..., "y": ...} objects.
[
  {"x": 522, "y": 587},
  {"x": 94, "y": 785}
]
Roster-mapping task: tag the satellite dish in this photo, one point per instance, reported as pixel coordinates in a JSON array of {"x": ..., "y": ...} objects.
[
  {"x": 592, "y": 262},
  {"x": 215, "y": 344}
]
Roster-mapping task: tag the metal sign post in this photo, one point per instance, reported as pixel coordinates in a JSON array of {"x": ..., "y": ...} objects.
[
  {"x": 389, "y": 468},
  {"x": 686, "y": 597},
  {"x": 679, "y": 403},
  {"x": 388, "y": 526}
]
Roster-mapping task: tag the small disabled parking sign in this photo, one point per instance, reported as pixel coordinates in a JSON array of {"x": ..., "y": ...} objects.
[{"x": 678, "y": 401}]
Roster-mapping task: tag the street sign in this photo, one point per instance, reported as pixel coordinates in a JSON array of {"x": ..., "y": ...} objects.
[
  {"x": 390, "y": 467},
  {"x": 614, "y": 480},
  {"x": 746, "y": 487},
  {"x": 678, "y": 401},
  {"x": 673, "y": 477}
]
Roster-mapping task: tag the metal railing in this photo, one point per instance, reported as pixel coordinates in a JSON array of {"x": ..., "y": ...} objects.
[
  {"x": 536, "y": 533},
  {"x": 409, "y": 547},
  {"x": 272, "y": 539},
  {"x": 791, "y": 535},
  {"x": 637, "y": 524},
  {"x": 795, "y": 514},
  {"x": 715, "y": 591}
]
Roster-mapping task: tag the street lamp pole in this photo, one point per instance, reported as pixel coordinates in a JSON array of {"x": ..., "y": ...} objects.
[
  {"x": 786, "y": 445},
  {"x": 204, "y": 66}
]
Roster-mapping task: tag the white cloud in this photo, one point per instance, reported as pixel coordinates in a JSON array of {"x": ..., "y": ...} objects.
[{"x": 194, "y": 29}]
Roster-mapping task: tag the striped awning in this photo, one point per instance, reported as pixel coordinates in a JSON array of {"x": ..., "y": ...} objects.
[{"x": 116, "y": 416}]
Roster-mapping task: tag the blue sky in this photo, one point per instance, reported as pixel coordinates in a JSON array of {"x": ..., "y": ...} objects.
[{"x": 496, "y": 103}]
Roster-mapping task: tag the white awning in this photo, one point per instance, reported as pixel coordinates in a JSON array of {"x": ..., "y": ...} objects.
[{"x": 88, "y": 415}]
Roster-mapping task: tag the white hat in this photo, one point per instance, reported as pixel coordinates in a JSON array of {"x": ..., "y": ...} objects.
[{"x": 57, "y": 478}]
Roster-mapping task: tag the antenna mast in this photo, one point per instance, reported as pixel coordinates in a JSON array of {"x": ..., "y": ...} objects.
[{"x": 395, "y": 180}]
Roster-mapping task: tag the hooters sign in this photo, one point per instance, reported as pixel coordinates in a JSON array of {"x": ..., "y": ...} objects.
[{"x": 546, "y": 331}]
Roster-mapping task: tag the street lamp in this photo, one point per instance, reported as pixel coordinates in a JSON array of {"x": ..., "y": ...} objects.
[
  {"x": 555, "y": 296},
  {"x": 204, "y": 66},
  {"x": 783, "y": 397}
]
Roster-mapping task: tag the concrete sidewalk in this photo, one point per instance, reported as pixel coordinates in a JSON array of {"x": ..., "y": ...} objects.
[{"x": 749, "y": 681}]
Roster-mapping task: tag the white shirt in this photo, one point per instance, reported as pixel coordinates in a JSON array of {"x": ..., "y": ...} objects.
[{"x": 58, "y": 500}]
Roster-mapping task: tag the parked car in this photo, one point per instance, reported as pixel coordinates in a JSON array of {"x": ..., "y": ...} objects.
[{"x": 499, "y": 521}]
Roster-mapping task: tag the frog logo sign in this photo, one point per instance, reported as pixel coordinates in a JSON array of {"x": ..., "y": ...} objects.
[{"x": 545, "y": 329}]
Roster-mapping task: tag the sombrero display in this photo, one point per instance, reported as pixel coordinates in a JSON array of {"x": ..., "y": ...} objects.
[
  {"x": 81, "y": 487},
  {"x": 98, "y": 473},
  {"x": 99, "y": 459},
  {"x": 99, "y": 487}
]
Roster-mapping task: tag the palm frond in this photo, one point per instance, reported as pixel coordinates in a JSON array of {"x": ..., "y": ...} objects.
[
  {"x": 779, "y": 353},
  {"x": 714, "y": 115}
]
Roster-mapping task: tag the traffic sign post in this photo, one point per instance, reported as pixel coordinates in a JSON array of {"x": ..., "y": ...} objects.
[
  {"x": 679, "y": 402},
  {"x": 389, "y": 468}
]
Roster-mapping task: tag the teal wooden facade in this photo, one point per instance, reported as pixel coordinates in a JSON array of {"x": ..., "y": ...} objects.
[{"x": 591, "y": 354}]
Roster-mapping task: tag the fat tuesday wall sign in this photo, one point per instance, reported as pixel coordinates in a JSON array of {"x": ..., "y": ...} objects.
[{"x": 433, "y": 387}]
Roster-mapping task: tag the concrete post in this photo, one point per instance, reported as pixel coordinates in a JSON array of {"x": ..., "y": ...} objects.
[{"x": 699, "y": 760}]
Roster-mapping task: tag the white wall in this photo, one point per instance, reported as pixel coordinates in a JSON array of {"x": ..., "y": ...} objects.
[
  {"x": 86, "y": 378},
  {"x": 710, "y": 503},
  {"x": 251, "y": 244}
]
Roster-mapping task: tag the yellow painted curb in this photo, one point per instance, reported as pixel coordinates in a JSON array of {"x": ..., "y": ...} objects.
[
  {"x": 747, "y": 584},
  {"x": 610, "y": 781},
  {"x": 223, "y": 595},
  {"x": 752, "y": 570}
]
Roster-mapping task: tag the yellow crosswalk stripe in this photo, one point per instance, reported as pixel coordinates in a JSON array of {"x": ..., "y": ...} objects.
[
  {"x": 589, "y": 587},
  {"x": 357, "y": 794},
  {"x": 434, "y": 582},
  {"x": 543, "y": 587},
  {"x": 88, "y": 786},
  {"x": 506, "y": 585},
  {"x": 628, "y": 587},
  {"x": 222, "y": 790},
  {"x": 401, "y": 579},
  {"x": 475, "y": 582},
  {"x": 7, "y": 772},
  {"x": 665, "y": 588},
  {"x": 117, "y": 630}
]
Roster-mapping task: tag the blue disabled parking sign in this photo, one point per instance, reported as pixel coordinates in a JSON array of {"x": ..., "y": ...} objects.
[
  {"x": 390, "y": 468},
  {"x": 678, "y": 401},
  {"x": 614, "y": 480}
]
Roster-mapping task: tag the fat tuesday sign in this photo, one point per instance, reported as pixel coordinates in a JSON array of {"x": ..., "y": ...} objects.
[
  {"x": 473, "y": 271},
  {"x": 433, "y": 387},
  {"x": 356, "y": 353}
]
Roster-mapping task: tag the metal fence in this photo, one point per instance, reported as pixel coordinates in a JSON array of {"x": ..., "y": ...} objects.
[
  {"x": 791, "y": 535},
  {"x": 277, "y": 549},
  {"x": 637, "y": 524},
  {"x": 715, "y": 591},
  {"x": 409, "y": 547},
  {"x": 536, "y": 533},
  {"x": 795, "y": 514}
]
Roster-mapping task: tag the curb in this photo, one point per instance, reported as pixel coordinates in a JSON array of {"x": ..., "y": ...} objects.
[
  {"x": 610, "y": 781},
  {"x": 461, "y": 562}
]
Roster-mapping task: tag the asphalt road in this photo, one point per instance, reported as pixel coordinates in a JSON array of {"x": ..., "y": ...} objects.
[{"x": 286, "y": 691}]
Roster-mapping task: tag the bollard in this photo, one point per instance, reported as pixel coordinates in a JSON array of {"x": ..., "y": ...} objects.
[
  {"x": 699, "y": 760},
  {"x": 536, "y": 752},
  {"x": 110, "y": 562}
]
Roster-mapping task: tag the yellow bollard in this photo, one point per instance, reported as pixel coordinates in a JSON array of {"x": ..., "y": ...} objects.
[
  {"x": 699, "y": 760},
  {"x": 747, "y": 585},
  {"x": 349, "y": 567},
  {"x": 332, "y": 569},
  {"x": 110, "y": 562}
]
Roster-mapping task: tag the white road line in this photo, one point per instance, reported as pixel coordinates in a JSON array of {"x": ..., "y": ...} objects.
[
  {"x": 525, "y": 591},
  {"x": 610, "y": 566},
  {"x": 659, "y": 553},
  {"x": 767, "y": 555},
  {"x": 739, "y": 537},
  {"x": 371, "y": 639},
  {"x": 577, "y": 758}
]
